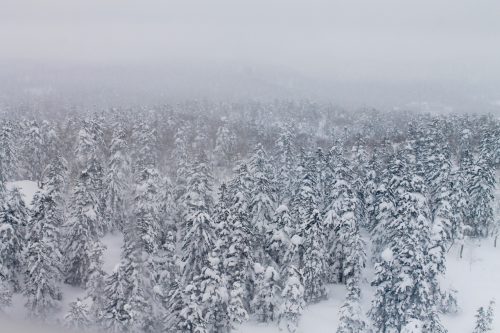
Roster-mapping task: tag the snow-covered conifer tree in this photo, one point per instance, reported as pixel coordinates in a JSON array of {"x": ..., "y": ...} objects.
[
  {"x": 13, "y": 222},
  {"x": 293, "y": 301},
  {"x": 9, "y": 153},
  {"x": 96, "y": 282},
  {"x": 262, "y": 195},
  {"x": 117, "y": 180},
  {"x": 225, "y": 144},
  {"x": 198, "y": 223},
  {"x": 84, "y": 227},
  {"x": 43, "y": 258},
  {"x": 78, "y": 317},
  {"x": 285, "y": 162},
  {"x": 116, "y": 311},
  {"x": 481, "y": 183},
  {"x": 5, "y": 295},
  {"x": 484, "y": 319},
  {"x": 406, "y": 276},
  {"x": 214, "y": 295},
  {"x": 146, "y": 209},
  {"x": 33, "y": 150},
  {"x": 266, "y": 301}
]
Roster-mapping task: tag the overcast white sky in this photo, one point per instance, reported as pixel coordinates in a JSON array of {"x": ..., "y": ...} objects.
[{"x": 353, "y": 40}]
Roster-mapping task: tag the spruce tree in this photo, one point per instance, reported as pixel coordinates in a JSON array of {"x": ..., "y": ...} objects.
[
  {"x": 266, "y": 301},
  {"x": 96, "y": 282},
  {"x": 8, "y": 152},
  {"x": 285, "y": 160},
  {"x": 262, "y": 194},
  {"x": 146, "y": 210},
  {"x": 84, "y": 227},
  {"x": 481, "y": 184},
  {"x": 198, "y": 223},
  {"x": 117, "y": 180},
  {"x": 78, "y": 317},
  {"x": 214, "y": 295},
  {"x": 33, "y": 150},
  {"x": 43, "y": 258},
  {"x": 13, "y": 222},
  {"x": 293, "y": 301},
  {"x": 5, "y": 295},
  {"x": 406, "y": 279},
  {"x": 116, "y": 311},
  {"x": 484, "y": 319},
  {"x": 225, "y": 144}
]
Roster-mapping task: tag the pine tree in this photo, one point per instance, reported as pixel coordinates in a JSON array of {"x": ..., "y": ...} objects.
[
  {"x": 198, "y": 223},
  {"x": 146, "y": 210},
  {"x": 96, "y": 282},
  {"x": 145, "y": 155},
  {"x": 33, "y": 150},
  {"x": 89, "y": 168},
  {"x": 481, "y": 183},
  {"x": 130, "y": 302},
  {"x": 89, "y": 142},
  {"x": 236, "y": 309},
  {"x": 115, "y": 313},
  {"x": 484, "y": 319},
  {"x": 279, "y": 235},
  {"x": 314, "y": 258},
  {"x": 285, "y": 162},
  {"x": 225, "y": 144},
  {"x": 266, "y": 301},
  {"x": 351, "y": 320},
  {"x": 84, "y": 227},
  {"x": 54, "y": 179},
  {"x": 117, "y": 180},
  {"x": 342, "y": 218},
  {"x": 384, "y": 212},
  {"x": 8, "y": 152},
  {"x": 190, "y": 318},
  {"x": 43, "y": 258},
  {"x": 370, "y": 190},
  {"x": 350, "y": 313},
  {"x": 78, "y": 317},
  {"x": 13, "y": 221},
  {"x": 167, "y": 270},
  {"x": 458, "y": 200},
  {"x": 360, "y": 174},
  {"x": 406, "y": 279},
  {"x": 214, "y": 295},
  {"x": 293, "y": 301},
  {"x": 5, "y": 295},
  {"x": 262, "y": 195}
]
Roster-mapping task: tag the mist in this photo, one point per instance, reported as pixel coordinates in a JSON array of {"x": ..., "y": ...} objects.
[{"x": 430, "y": 55}]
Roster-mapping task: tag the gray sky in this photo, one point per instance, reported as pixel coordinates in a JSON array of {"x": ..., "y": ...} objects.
[{"x": 383, "y": 41}]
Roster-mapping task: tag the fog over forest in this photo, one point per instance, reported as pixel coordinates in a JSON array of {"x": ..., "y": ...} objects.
[
  {"x": 425, "y": 55},
  {"x": 264, "y": 166}
]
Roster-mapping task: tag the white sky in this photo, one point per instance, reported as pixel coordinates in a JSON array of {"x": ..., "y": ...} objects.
[
  {"x": 351, "y": 38},
  {"x": 382, "y": 40}
]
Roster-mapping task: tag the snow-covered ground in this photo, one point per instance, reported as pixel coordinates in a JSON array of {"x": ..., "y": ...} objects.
[{"x": 476, "y": 277}]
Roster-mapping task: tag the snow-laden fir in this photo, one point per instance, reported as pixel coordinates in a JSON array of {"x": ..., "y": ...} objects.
[{"x": 250, "y": 218}]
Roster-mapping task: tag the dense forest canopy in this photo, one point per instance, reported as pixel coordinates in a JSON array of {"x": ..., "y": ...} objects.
[{"x": 238, "y": 211}]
